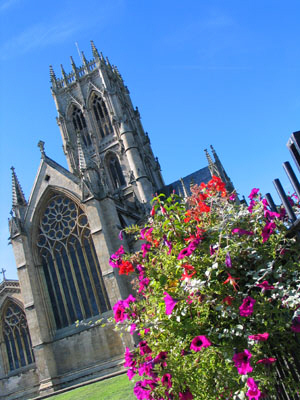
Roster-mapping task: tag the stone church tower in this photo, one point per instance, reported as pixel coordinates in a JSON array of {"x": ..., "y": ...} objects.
[{"x": 63, "y": 236}]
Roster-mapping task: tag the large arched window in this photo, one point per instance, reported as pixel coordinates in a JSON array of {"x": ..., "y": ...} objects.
[
  {"x": 16, "y": 337},
  {"x": 115, "y": 171},
  {"x": 102, "y": 117},
  {"x": 70, "y": 264},
  {"x": 80, "y": 125}
]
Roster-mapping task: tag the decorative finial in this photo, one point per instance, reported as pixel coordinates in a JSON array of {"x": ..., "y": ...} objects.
[
  {"x": 18, "y": 198},
  {"x": 52, "y": 74},
  {"x": 3, "y": 273},
  {"x": 41, "y": 145},
  {"x": 84, "y": 60},
  {"x": 95, "y": 51},
  {"x": 210, "y": 161}
]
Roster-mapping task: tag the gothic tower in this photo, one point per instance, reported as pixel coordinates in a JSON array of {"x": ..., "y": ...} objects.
[
  {"x": 64, "y": 234},
  {"x": 103, "y": 138}
]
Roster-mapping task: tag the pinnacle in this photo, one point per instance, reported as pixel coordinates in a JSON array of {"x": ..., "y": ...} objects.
[{"x": 18, "y": 198}]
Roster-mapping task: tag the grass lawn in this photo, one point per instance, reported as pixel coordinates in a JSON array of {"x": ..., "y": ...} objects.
[{"x": 117, "y": 388}]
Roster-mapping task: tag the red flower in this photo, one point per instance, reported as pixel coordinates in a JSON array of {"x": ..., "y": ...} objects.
[
  {"x": 125, "y": 268},
  {"x": 188, "y": 268},
  {"x": 228, "y": 300},
  {"x": 232, "y": 281}
]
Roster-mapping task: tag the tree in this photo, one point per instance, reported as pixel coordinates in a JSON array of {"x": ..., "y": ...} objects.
[{"x": 216, "y": 297}]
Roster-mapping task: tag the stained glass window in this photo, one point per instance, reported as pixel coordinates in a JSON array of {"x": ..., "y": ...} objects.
[
  {"x": 72, "y": 271},
  {"x": 16, "y": 337}
]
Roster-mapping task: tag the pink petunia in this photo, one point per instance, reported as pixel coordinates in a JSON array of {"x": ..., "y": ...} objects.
[
  {"x": 170, "y": 303},
  {"x": 242, "y": 362},
  {"x": 265, "y": 286},
  {"x": 253, "y": 392},
  {"x": 267, "y": 231},
  {"x": 187, "y": 395},
  {"x": 267, "y": 361},
  {"x": 241, "y": 232},
  {"x": 260, "y": 337},
  {"x": 253, "y": 193},
  {"x": 199, "y": 342},
  {"x": 296, "y": 325},
  {"x": 246, "y": 308},
  {"x": 166, "y": 380}
]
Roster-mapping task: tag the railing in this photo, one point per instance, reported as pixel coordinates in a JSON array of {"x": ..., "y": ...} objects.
[{"x": 288, "y": 362}]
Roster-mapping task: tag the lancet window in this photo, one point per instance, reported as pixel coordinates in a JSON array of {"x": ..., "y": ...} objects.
[
  {"x": 102, "y": 117},
  {"x": 80, "y": 125},
  {"x": 16, "y": 337},
  {"x": 115, "y": 171},
  {"x": 70, "y": 265}
]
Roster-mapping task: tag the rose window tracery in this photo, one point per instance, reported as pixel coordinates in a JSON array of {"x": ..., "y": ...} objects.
[{"x": 70, "y": 265}]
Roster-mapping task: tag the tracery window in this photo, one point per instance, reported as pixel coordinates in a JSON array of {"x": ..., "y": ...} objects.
[
  {"x": 80, "y": 125},
  {"x": 16, "y": 337},
  {"x": 102, "y": 117},
  {"x": 115, "y": 172},
  {"x": 71, "y": 268}
]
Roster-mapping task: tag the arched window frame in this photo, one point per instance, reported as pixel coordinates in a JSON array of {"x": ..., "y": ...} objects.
[
  {"x": 70, "y": 266},
  {"x": 115, "y": 171},
  {"x": 79, "y": 125},
  {"x": 101, "y": 115},
  {"x": 16, "y": 337}
]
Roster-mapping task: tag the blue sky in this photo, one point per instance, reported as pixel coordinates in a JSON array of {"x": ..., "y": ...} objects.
[{"x": 201, "y": 72}]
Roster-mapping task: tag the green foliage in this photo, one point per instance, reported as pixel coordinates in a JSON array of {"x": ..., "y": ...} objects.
[{"x": 207, "y": 259}]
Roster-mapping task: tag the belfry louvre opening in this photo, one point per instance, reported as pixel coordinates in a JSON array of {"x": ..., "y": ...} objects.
[{"x": 70, "y": 265}]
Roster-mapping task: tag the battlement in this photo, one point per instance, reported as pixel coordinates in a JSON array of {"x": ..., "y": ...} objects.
[{"x": 77, "y": 73}]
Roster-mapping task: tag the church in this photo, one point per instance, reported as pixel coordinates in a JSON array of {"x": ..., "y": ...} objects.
[{"x": 63, "y": 235}]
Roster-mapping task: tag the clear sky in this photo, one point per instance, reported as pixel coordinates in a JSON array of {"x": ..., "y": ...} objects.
[{"x": 221, "y": 72}]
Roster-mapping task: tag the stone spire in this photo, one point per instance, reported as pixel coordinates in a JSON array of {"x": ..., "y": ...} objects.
[
  {"x": 18, "y": 198},
  {"x": 64, "y": 75},
  {"x": 52, "y": 74},
  {"x": 84, "y": 60},
  {"x": 41, "y": 146},
  {"x": 209, "y": 160},
  {"x": 95, "y": 51}
]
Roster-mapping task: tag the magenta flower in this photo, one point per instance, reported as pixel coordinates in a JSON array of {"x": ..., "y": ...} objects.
[
  {"x": 119, "y": 311},
  {"x": 116, "y": 258},
  {"x": 170, "y": 303},
  {"x": 241, "y": 361},
  {"x": 267, "y": 231},
  {"x": 267, "y": 361},
  {"x": 253, "y": 193},
  {"x": 129, "y": 361},
  {"x": 161, "y": 358},
  {"x": 199, "y": 342},
  {"x": 260, "y": 337},
  {"x": 145, "y": 247},
  {"x": 212, "y": 250},
  {"x": 184, "y": 253},
  {"x": 232, "y": 197},
  {"x": 241, "y": 232},
  {"x": 265, "y": 286},
  {"x": 251, "y": 205},
  {"x": 271, "y": 215},
  {"x": 144, "y": 348},
  {"x": 166, "y": 380},
  {"x": 253, "y": 392},
  {"x": 228, "y": 260},
  {"x": 132, "y": 329},
  {"x": 130, "y": 299},
  {"x": 187, "y": 395},
  {"x": 167, "y": 243},
  {"x": 246, "y": 308},
  {"x": 146, "y": 232},
  {"x": 143, "y": 284},
  {"x": 147, "y": 369},
  {"x": 141, "y": 391},
  {"x": 296, "y": 324},
  {"x": 131, "y": 373}
]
